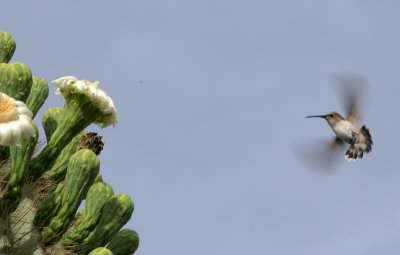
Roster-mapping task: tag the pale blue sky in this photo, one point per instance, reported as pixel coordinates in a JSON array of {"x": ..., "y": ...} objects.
[{"x": 212, "y": 96}]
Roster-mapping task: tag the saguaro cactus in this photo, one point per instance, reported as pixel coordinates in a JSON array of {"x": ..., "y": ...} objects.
[{"x": 41, "y": 190}]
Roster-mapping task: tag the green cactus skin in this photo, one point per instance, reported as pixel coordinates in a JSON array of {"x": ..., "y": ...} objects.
[
  {"x": 7, "y": 47},
  {"x": 101, "y": 251},
  {"x": 59, "y": 168},
  {"x": 47, "y": 211},
  {"x": 20, "y": 159},
  {"x": 78, "y": 114},
  {"x": 96, "y": 198},
  {"x": 15, "y": 80},
  {"x": 24, "y": 235},
  {"x": 125, "y": 242},
  {"x": 82, "y": 170},
  {"x": 116, "y": 213},
  {"x": 50, "y": 121},
  {"x": 99, "y": 178},
  {"x": 37, "y": 96}
]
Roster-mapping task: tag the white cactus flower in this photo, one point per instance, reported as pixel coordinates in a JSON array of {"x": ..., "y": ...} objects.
[
  {"x": 69, "y": 86},
  {"x": 15, "y": 121}
]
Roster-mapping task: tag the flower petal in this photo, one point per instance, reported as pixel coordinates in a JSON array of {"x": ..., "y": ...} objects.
[
  {"x": 69, "y": 85},
  {"x": 20, "y": 126}
]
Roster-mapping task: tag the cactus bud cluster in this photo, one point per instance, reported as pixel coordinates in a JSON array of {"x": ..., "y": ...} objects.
[{"x": 42, "y": 187}]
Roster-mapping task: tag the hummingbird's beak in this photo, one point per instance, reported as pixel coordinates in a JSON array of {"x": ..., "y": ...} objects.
[{"x": 317, "y": 116}]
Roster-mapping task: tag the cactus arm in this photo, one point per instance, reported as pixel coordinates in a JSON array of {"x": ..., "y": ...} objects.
[
  {"x": 49, "y": 208},
  {"x": 59, "y": 168},
  {"x": 99, "y": 178},
  {"x": 96, "y": 198},
  {"x": 116, "y": 213},
  {"x": 15, "y": 80},
  {"x": 50, "y": 121},
  {"x": 20, "y": 158},
  {"x": 101, "y": 251},
  {"x": 24, "y": 234},
  {"x": 37, "y": 96},
  {"x": 125, "y": 242},
  {"x": 82, "y": 170},
  {"x": 7, "y": 47},
  {"x": 73, "y": 120}
]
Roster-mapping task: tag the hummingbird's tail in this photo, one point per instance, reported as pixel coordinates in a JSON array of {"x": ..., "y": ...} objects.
[{"x": 361, "y": 144}]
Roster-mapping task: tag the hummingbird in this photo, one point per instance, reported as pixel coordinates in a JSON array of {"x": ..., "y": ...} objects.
[
  {"x": 345, "y": 129},
  {"x": 359, "y": 139}
]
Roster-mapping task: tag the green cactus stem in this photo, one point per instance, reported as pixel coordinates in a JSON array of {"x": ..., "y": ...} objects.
[
  {"x": 20, "y": 159},
  {"x": 99, "y": 178},
  {"x": 23, "y": 235},
  {"x": 38, "y": 94},
  {"x": 15, "y": 80},
  {"x": 96, "y": 198},
  {"x": 125, "y": 242},
  {"x": 101, "y": 251},
  {"x": 7, "y": 47},
  {"x": 50, "y": 121},
  {"x": 49, "y": 208},
  {"x": 59, "y": 168},
  {"x": 82, "y": 170},
  {"x": 76, "y": 116},
  {"x": 90, "y": 141},
  {"x": 116, "y": 213}
]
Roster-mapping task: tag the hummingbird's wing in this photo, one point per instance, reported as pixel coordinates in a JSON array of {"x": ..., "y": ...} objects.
[
  {"x": 319, "y": 155},
  {"x": 353, "y": 115},
  {"x": 350, "y": 87},
  {"x": 336, "y": 144}
]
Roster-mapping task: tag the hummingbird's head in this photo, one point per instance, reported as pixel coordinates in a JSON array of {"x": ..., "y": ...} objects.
[{"x": 332, "y": 118}]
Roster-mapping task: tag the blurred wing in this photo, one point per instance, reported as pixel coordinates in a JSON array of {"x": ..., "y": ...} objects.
[
  {"x": 350, "y": 87},
  {"x": 336, "y": 145},
  {"x": 321, "y": 155}
]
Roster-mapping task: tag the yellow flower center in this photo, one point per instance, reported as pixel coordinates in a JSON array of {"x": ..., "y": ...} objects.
[{"x": 8, "y": 110}]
